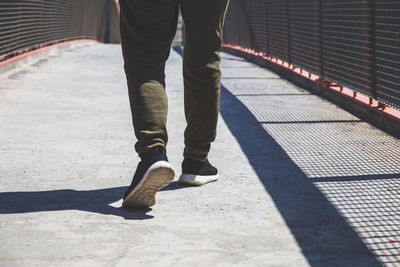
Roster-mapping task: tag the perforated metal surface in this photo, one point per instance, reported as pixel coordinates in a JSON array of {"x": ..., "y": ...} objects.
[
  {"x": 29, "y": 23},
  {"x": 327, "y": 147},
  {"x": 371, "y": 207}
]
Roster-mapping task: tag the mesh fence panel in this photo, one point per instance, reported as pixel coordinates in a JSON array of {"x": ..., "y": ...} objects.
[
  {"x": 25, "y": 24},
  {"x": 347, "y": 43},
  {"x": 305, "y": 35},
  {"x": 277, "y": 29},
  {"x": 245, "y": 25},
  {"x": 231, "y": 33},
  {"x": 355, "y": 43},
  {"x": 258, "y": 17},
  {"x": 387, "y": 51}
]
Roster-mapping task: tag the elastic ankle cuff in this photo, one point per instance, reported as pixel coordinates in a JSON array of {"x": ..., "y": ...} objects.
[
  {"x": 195, "y": 154},
  {"x": 149, "y": 150}
]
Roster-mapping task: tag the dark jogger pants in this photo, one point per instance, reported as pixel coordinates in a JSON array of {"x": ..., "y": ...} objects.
[{"x": 147, "y": 30}]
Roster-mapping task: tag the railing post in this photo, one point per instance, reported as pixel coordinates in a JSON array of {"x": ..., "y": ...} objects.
[
  {"x": 266, "y": 28},
  {"x": 288, "y": 31},
  {"x": 321, "y": 36},
  {"x": 373, "y": 49}
]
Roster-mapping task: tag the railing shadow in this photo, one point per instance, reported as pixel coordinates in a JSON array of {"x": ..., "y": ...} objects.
[
  {"x": 324, "y": 236},
  {"x": 96, "y": 201}
]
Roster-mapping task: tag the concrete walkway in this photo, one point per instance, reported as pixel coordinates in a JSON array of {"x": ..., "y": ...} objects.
[{"x": 302, "y": 181}]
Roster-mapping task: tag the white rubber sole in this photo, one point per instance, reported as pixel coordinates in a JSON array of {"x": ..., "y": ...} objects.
[
  {"x": 197, "y": 180},
  {"x": 159, "y": 175}
]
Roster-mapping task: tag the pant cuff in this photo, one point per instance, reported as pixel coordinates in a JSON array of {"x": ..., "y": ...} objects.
[{"x": 142, "y": 150}]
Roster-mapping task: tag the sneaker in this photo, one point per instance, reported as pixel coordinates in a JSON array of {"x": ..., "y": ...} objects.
[
  {"x": 197, "y": 172},
  {"x": 153, "y": 173}
]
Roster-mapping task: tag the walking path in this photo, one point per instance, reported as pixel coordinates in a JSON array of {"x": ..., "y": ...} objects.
[{"x": 302, "y": 181}]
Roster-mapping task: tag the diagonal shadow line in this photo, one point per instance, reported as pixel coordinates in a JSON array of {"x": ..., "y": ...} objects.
[
  {"x": 357, "y": 177},
  {"x": 257, "y": 95},
  {"x": 324, "y": 236},
  {"x": 309, "y": 122},
  {"x": 389, "y": 261},
  {"x": 96, "y": 201},
  {"x": 251, "y": 78},
  {"x": 174, "y": 186}
]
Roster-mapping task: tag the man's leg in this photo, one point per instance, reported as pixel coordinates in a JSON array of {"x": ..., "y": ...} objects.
[
  {"x": 202, "y": 81},
  {"x": 147, "y": 30}
]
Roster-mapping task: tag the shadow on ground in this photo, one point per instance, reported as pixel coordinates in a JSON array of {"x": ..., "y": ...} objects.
[
  {"x": 324, "y": 236},
  {"x": 97, "y": 201},
  {"x": 174, "y": 186}
]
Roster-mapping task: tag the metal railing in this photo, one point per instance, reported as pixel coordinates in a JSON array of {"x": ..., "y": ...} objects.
[
  {"x": 26, "y": 24},
  {"x": 355, "y": 43}
]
